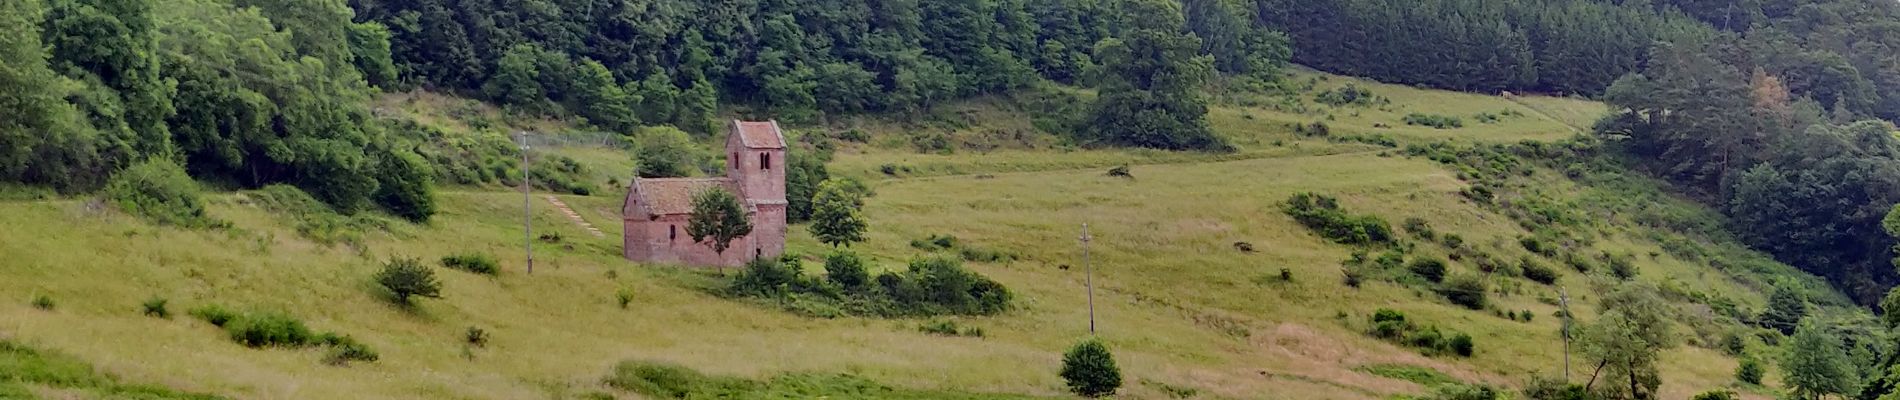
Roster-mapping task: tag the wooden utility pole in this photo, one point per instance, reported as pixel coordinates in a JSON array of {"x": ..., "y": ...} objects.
[
  {"x": 527, "y": 205},
  {"x": 1563, "y": 301},
  {"x": 1089, "y": 280}
]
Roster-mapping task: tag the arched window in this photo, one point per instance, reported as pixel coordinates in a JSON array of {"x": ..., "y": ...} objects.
[
  {"x": 734, "y": 160},
  {"x": 765, "y": 160}
]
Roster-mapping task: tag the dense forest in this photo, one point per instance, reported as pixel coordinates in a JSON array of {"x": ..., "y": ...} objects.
[
  {"x": 1777, "y": 128},
  {"x": 249, "y": 93}
]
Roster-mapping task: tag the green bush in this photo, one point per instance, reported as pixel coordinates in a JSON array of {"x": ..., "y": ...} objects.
[
  {"x": 1537, "y": 271},
  {"x": 1715, "y": 395},
  {"x": 1418, "y": 227},
  {"x": 935, "y": 242},
  {"x": 1090, "y": 371},
  {"x": 1465, "y": 290},
  {"x": 1323, "y": 215},
  {"x": 663, "y": 381},
  {"x": 43, "y": 302},
  {"x": 406, "y": 277},
  {"x": 1434, "y": 120},
  {"x": 1431, "y": 269},
  {"x": 160, "y": 191},
  {"x": 1750, "y": 371},
  {"x": 1543, "y": 388},
  {"x": 1465, "y": 392},
  {"x": 1461, "y": 344},
  {"x": 268, "y": 329},
  {"x": 949, "y": 328},
  {"x": 214, "y": 314},
  {"x": 156, "y": 307},
  {"x": 344, "y": 349},
  {"x": 405, "y": 185},
  {"x": 846, "y": 270},
  {"x": 477, "y": 337},
  {"x": 472, "y": 262},
  {"x": 624, "y": 297}
]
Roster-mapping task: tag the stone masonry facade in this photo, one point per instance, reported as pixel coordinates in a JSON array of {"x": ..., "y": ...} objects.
[{"x": 656, "y": 210}]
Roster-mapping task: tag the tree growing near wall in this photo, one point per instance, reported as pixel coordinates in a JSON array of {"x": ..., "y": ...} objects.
[{"x": 717, "y": 219}]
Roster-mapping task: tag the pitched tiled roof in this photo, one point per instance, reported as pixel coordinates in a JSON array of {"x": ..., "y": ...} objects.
[
  {"x": 759, "y": 134},
  {"x": 668, "y": 196}
]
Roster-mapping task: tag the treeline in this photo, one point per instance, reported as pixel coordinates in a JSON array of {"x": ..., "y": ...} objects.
[
  {"x": 1772, "y": 121},
  {"x": 243, "y": 94},
  {"x": 1843, "y": 53},
  {"x": 1552, "y": 46},
  {"x": 1805, "y": 183},
  {"x": 625, "y": 63},
  {"x": 248, "y": 93}
]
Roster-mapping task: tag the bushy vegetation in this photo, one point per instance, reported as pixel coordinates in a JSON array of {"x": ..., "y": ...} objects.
[
  {"x": 406, "y": 278},
  {"x": 1089, "y": 369},
  {"x": 28, "y": 367},
  {"x": 273, "y": 329},
  {"x": 155, "y": 307},
  {"x": 933, "y": 285},
  {"x": 479, "y": 263},
  {"x": 159, "y": 191},
  {"x": 1431, "y": 269},
  {"x": 43, "y": 302},
  {"x": 1349, "y": 95},
  {"x": 1393, "y": 326},
  {"x": 313, "y": 219},
  {"x": 1750, "y": 371},
  {"x": 1322, "y": 214},
  {"x": 668, "y": 381},
  {"x": 1434, "y": 120},
  {"x": 949, "y": 328},
  {"x": 1466, "y": 290}
]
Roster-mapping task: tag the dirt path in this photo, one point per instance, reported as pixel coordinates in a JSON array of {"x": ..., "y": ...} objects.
[{"x": 565, "y": 210}]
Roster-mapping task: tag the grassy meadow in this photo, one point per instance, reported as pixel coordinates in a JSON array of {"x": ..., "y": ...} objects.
[{"x": 1185, "y": 311}]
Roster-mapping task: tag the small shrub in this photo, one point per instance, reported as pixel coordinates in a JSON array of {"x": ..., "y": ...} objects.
[
  {"x": 1544, "y": 388},
  {"x": 1434, "y": 121},
  {"x": 552, "y": 237},
  {"x": 1465, "y": 290},
  {"x": 1527, "y": 315},
  {"x": 1286, "y": 275},
  {"x": 973, "y": 254},
  {"x": 344, "y": 349},
  {"x": 476, "y": 337},
  {"x": 43, "y": 302},
  {"x": 160, "y": 191},
  {"x": 214, "y": 314},
  {"x": 268, "y": 329},
  {"x": 1090, "y": 371},
  {"x": 1453, "y": 240},
  {"x": 1715, "y": 395},
  {"x": 155, "y": 307},
  {"x": 935, "y": 242},
  {"x": 1351, "y": 277},
  {"x": 657, "y": 380},
  {"x": 406, "y": 277},
  {"x": 1537, "y": 271},
  {"x": 846, "y": 269},
  {"x": 1390, "y": 259},
  {"x": 1323, "y": 215},
  {"x": 1431, "y": 269},
  {"x": 472, "y": 262},
  {"x": 1461, "y": 345},
  {"x": 1120, "y": 171},
  {"x": 1465, "y": 392},
  {"x": 949, "y": 328},
  {"x": 1418, "y": 227},
  {"x": 1749, "y": 372},
  {"x": 624, "y": 297}
]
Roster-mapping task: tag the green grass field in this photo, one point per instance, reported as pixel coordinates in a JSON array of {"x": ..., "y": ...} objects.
[{"x": 1181, "y": 307}]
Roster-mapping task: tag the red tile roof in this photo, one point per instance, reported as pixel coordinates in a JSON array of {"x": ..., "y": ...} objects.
[
  {"x": 759, "y": 134},
  {"x": 668, "y": 196}
]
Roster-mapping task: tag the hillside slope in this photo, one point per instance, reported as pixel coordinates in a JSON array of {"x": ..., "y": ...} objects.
[{"x": 1185, "y": 311}]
